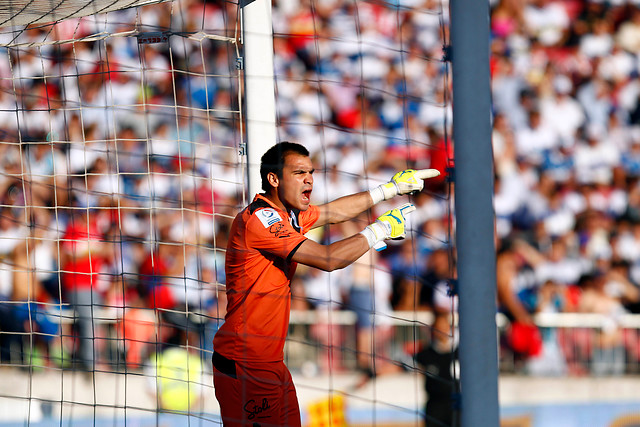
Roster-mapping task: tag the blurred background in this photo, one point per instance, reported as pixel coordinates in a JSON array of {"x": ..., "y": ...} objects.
[{"x": 122, "y": 166}]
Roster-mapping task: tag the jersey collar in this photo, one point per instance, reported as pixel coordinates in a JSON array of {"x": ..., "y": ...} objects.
[
  {"x": 262, "y": 197},
  {"x": 292, "y": 215}
]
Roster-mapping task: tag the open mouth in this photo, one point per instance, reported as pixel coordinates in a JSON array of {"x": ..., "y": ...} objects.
[{"x": 306, "y": 195}]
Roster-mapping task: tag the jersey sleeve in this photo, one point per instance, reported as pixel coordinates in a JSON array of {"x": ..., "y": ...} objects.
[
  {"x": 268, "y": 231},
  {"x": 309, "y": 217}
]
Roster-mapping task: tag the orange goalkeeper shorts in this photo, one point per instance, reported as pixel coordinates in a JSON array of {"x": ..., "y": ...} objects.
[{"x": 255, "y": 394}]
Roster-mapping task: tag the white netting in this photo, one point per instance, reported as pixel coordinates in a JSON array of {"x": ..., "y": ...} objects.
[
  {"x": 365, "y": 87},
  {"x": 121, "y": 170},
  {"x": 121, "y": 154},
  {"x": 27, "y": 12}
]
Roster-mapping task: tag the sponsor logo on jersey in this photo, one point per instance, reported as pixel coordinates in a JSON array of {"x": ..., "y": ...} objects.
[{"x": 268, "y": 216}]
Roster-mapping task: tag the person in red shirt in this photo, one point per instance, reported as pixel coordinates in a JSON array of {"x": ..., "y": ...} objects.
[
  {"x": 83, "y": 253},
  {"x": 266, "y": 242}
]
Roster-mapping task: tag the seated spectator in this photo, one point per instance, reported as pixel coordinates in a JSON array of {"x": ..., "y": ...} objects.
[
  {"x": 607, "y": 357},
  {"x": 547, "y": 21},
  {"x": 515, "y": 278}
]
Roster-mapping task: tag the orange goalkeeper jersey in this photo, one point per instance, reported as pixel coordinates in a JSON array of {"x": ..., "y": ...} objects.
[{"x": 258, "y": 270}]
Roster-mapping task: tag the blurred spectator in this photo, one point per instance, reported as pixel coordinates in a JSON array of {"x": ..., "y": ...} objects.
[
  {"x": 561, "y": 112},
  {"x": 324, "y": 292},
  {"x": 144, "y": 139},
  {"x": 536, "y": 138},
  {"x": 369, "y": 298},
  {"x": 432, "y": 289},
  {"x": 608, "y": 350},
  {"x": 514, "y": 277},
  {"x": 82, "y": 257},
  {"x": 176, "y": 380},
  {"x": 547, "y": 21},
  {"x": 506, "y": 18},
  {"x": 438, "y": 360},
  {"x": 36, "y": 292},
  {"x": 628, "y": 34},
  {"x": 46, "y": 169},
  {"x": 598, "y": 42},
  {"x": 597, "y": 99},
  {"x": 405, "y": 263},
  {"x": 594, "y": 160},
  {"x": 22, "y": 292}
]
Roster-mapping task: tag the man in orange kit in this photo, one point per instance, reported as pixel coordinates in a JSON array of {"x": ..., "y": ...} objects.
[{"x": 266, "y": 242}]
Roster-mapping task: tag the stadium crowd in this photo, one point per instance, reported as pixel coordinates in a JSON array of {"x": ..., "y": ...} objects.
[{"x": 118, "y": 192}]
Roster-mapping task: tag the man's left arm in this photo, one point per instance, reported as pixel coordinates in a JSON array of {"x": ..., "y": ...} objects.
[{"x": 345, "y": 208}]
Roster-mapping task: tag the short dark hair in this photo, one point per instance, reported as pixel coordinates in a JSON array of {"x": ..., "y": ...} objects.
[{"x": 273, "y": 160}]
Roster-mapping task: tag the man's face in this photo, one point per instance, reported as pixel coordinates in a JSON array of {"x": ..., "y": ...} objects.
[{"x": 296, "y": 184}]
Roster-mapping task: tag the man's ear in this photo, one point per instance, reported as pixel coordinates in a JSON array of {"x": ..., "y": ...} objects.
[{"x": 273, "y": 179}]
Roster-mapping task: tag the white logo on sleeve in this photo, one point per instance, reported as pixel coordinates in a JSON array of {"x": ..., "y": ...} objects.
[{"x": 268, "y": 216}]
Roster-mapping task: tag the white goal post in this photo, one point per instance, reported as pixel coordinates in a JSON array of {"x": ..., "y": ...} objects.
[{"x": 257, "y": 33}]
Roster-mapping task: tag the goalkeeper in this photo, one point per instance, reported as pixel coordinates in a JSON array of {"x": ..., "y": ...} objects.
[{"x": 266, "y": 242}]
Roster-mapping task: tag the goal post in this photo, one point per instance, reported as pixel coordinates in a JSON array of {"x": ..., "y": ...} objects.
[
  {"x": 257, "y": 39},
  {"x": 474, "y": 213}
]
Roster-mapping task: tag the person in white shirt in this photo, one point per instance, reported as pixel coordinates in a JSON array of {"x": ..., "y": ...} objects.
[
  {"x": 547, "y": 20},
  {"x": 561, "y": 112}
]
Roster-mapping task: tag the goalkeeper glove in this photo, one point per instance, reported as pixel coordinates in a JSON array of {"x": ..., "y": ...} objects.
[
  {"x": 390, "y": 225},
  {"x": 406, "y": 182}
]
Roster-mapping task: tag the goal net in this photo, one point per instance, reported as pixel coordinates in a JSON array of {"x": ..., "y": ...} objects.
[
  {"x": 121, "y": 167},
  {"x": 123, "y": 164},
  {"x": 365, "y": 86},
  {"x": 28, "y": 12}
]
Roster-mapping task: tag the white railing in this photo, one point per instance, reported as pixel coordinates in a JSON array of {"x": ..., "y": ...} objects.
[{"x": 583, "y": 343}]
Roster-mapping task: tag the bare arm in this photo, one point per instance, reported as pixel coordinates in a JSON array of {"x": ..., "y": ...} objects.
[
  {"x": 404, "y": 182},
  {"x": 334, "y": 256},
  {"x": 529, "y": 253},
  {"x": 344, "y": 208},
  {"x": 506, "y": 271},
  {"x": 630, "y": 292}
]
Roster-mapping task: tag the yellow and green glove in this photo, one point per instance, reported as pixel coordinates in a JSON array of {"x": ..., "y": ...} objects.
[
  {"x": 390, "y": 225},
  {"x": 406, "y": 182}
]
